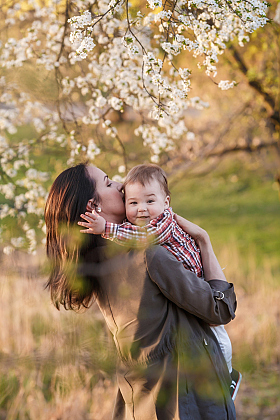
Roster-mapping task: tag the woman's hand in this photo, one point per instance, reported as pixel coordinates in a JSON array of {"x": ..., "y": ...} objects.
[
  {"x": 95, "y": 223},
  {"x": 211, "y": 267},
  {"x": 199, "y": 235}
]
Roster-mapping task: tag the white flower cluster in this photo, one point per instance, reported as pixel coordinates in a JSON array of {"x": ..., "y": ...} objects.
[
  {"x": 81, "y": 39},
  {"x": 151, "y": 63},
  {"x": 211, "y": 24},
  {"x": 81, "y": 21},
  {"x": 110, "y": 59},
  {"x": 154, "y": 3},
  {"x": 85, "y": 47},
  {"x": 92, "y": 150},
  {"x": 45, "y": 50},
  {"x": 226, "y": 84},
  {"x": 131, "y": 46},
  {"x": 116, "y": 103},
  {"x": 8, "y": 190},
  {"x": 20, "y": 183}
]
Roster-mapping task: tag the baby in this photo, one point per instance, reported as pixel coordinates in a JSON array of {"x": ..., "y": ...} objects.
[{"x": 150, "y": 219}]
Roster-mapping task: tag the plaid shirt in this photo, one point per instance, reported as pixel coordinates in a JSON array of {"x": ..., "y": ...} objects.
[{"x": 163, "y": 230}]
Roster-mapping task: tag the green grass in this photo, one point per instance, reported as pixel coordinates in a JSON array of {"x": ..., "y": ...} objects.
[
  {"x": 233, "y": 205},
  {"x": 259, "y": 396}
]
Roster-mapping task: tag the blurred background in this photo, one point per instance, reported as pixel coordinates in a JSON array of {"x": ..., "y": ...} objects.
[{"x": 58, "y": 365}]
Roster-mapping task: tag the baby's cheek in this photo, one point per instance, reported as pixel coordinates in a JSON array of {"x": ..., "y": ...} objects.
[{"x": 130, "y": 216}]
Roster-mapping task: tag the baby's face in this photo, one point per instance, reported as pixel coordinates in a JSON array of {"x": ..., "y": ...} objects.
[{"x": 144, "y": 203}]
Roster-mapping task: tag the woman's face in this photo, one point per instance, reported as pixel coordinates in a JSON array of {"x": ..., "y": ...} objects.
[{"x": 111, "y": 196}]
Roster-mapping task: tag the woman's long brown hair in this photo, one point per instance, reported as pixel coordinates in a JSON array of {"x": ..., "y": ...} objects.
[{"x": 67, "y": 249}]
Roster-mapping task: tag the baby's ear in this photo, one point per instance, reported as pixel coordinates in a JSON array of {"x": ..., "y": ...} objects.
[{"x": 166, "y": 202}]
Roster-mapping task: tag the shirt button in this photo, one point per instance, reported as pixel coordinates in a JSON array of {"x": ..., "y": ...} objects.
[{"x": 205, "y": 342}]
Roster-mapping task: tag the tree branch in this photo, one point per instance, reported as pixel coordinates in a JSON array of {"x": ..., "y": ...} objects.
[
  {"x": 245, "y": 148},
  {"x": 255, "y": 84}
]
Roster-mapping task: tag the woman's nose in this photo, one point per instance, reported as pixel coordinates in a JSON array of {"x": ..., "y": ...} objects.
[
  {"x": 121, "y": 189},
  {"x": 119, "y": 186}
]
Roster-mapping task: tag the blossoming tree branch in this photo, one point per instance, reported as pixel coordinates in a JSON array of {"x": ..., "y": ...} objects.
[{"x": 101, "y": 58}]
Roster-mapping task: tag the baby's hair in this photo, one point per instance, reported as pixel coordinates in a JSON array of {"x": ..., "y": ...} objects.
[{"x": 146, "y": 173}]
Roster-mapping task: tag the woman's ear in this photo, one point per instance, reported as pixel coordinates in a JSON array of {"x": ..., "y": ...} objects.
[
  {"x": 166, "y": 202},
  {"x": 90, "y": 205}
]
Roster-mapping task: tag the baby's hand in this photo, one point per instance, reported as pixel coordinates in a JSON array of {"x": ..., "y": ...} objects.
[{"x": 95, "y": 223}]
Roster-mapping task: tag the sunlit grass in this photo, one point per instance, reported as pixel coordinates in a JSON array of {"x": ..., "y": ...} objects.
[
  {"x": 60, "y": 365},
  {"x": 51, "y": 362}
]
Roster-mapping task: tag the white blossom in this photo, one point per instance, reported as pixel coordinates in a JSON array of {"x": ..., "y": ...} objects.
[
  {"x": 100, "y": 102},
  {"x": 8, "y": 250},
  {"x": 117, "y": 178},
  {"x": 81, "y": 21},
  {"x": 92, "y": 149},
  {"x": 4, "y": 210},
  {"x": 17, "y": 242},
  {"x": 11, "y": 172},
  {"x": 102, "y": 63},
  {"x": 155, "y": 158},
  {"x": 85, "y": 47},
  {"x": 226, "y": 84},
  {"x": 31, "y": 173},
  {"x": 8, "y": 190},
  {"x": 121, "y": 169},
  {"x": 154, "y": 3},
  {"x": 116, "y": 103},
  {"x": 190, "y": 136}
]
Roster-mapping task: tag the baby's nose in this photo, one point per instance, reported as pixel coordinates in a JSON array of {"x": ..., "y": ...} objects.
[{"x": 142, "y": 207}]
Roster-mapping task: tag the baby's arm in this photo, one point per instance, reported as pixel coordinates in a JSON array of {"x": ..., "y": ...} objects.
[
  {"x": 119, "y": 233},
  {"x": 156, "y": 232}
]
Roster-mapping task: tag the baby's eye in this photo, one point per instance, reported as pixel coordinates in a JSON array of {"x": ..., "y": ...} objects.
[
  {"x": 151, "y": 201},
  {"x": 133, "y": 203}
]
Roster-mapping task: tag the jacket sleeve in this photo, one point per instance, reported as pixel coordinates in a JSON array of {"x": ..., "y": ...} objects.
[{"x": 213, "y": 301}]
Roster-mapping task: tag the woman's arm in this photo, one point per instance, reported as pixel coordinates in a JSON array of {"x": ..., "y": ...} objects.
[
  {"x": 211, "y": 267},
  {"x": 213, "y": 301}
]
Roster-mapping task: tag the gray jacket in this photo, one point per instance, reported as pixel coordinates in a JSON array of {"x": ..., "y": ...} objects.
[{"x": 171, "y": 366}]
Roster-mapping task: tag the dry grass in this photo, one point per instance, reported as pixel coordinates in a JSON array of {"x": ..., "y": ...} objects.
[
  {"x": 255, "y": 332},
  {"x": 54, "y": 365},
  {"x": 60, "y": 365}
]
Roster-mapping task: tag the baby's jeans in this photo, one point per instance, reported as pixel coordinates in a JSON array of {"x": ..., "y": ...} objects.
[{"x": 225, "y": 343}]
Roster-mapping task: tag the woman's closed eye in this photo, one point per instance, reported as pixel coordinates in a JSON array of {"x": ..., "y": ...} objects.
[{"x": 109, "y": 183}]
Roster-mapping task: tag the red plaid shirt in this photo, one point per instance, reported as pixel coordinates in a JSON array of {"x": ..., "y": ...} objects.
[{"x": 163, "y": 230}]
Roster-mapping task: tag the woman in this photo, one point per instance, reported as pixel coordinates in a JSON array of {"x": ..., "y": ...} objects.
[{"x": 171, "y": 366}]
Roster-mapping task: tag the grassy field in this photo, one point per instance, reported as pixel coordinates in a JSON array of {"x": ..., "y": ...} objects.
[
  {"x": 234, "y": 204},
  {"x": 60, "y": 365}
]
